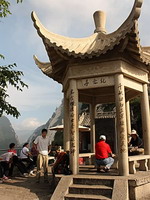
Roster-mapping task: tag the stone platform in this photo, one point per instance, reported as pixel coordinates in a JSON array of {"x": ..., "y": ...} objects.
[
  {"x": 105, "y": 185},
  {"x": 132, "y": 187}
]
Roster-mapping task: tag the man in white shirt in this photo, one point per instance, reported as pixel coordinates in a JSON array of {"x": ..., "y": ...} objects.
[{"x": 42, "y": 144}]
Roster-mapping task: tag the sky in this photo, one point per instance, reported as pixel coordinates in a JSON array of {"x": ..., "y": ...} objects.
[{"x": 19, "y": 41}]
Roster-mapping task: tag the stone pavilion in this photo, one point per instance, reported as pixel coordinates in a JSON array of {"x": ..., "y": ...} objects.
[{"x": 102, "y": 68}]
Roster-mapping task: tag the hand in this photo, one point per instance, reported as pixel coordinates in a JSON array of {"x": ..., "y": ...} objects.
[
  {"x": 132, "y": 149},
  {"x": 49, "y": 151},
  {"x": 113, "y": 155}
]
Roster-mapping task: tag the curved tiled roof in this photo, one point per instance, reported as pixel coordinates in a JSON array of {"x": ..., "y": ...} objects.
[
  {"x": 145, "y": 51},
  {"x": 98, "y": 43},
  {"x": 46, "y": 67}
]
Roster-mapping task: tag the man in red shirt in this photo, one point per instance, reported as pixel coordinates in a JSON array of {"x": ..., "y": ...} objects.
[{"x": 103, "y": 154}]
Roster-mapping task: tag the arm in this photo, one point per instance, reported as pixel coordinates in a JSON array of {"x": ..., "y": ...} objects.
[
  {"x": 110, "y": 152},
  {"x": 140, "y": 142},
  {"x": 29, "y": 153},
  {"x": 35, "y": 144},
  {"x": 49, "y": 148},
  {"x": 26, "y": 151}
]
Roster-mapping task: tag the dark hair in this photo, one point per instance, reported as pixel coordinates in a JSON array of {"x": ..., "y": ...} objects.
[
  {"x": 11, "y": 145},
  {"x": 44, "y": 130},
  {"x": 25, "y": 144}
]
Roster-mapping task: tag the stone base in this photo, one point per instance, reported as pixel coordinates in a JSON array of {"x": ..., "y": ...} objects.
[
  {"x": 139, "y": 187},
  {"x": 132, "y": 187}
]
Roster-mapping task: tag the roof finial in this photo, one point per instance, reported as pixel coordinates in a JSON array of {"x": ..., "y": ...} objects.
[{"x": 100, "y": 21}]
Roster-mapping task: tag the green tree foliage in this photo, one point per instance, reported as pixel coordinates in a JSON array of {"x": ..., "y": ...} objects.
[
  {"x": 8, "y": 76},
  {"x": 5, "y": 7}
]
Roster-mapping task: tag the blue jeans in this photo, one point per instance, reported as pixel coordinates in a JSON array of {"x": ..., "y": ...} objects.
[{"x": 105, "y": 162}]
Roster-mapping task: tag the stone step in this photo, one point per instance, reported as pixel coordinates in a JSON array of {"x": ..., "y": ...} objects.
[
  {"x": 93, "y": 181},
  {"x": 85, "y": 197},
  {"x": 88, "y": 170},
  {"x": 91, "y": 189}
]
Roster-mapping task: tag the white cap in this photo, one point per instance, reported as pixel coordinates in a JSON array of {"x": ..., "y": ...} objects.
[
  {"x": 133, "y": 132},
  {"x": 102, "y": 137}
]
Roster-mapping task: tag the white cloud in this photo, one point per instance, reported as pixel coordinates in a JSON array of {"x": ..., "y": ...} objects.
[
  {"x": 40, "y": 93},
  {"x": 27, "y": 124},
  {"x": 63, "y": 16}
]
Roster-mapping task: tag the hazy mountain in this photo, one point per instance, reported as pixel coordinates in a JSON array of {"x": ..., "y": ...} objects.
[
  {"x": 7, "y": 133},
  {"x": 56, "y": 119},
  {"x": 23, "y": 135}
]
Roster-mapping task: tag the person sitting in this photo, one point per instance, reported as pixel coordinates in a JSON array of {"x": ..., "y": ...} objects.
[
  {"x": 103, "y": 154},
  {"x": 5, "y": 160},
  {"x": 12, "y": 148},
  {"x": 15, "y": 161},
  {"x": 25, "y": 156},
  {"x": 1, "y": 173},
  {"x": 61, "y": 165},
  {"x": 34, "y": 153},
  {"x": 135, "y": 144}
]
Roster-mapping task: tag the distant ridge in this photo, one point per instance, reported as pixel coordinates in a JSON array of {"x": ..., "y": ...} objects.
[
  {"x": 56, "y": 119},
  {"x": 7, "y": 133}
]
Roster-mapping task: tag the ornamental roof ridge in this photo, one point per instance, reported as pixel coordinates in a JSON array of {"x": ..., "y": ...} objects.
[{"x": 45, "y": 67}]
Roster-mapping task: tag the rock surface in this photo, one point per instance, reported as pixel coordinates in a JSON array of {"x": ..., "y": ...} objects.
[
  {"x": 56, "y": 119},
  {"x": 7, "y": 133}
]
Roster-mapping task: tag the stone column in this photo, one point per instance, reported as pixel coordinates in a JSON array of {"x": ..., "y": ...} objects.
[
  {"x": 121, "y": 125},
  {"x": 66, "y": 133},
  {"x": 74, "y": 127},
  {"x": 92, "y": 126},
  {"x": 146, "y": 120},
  {"x": 128, "y": 117}
]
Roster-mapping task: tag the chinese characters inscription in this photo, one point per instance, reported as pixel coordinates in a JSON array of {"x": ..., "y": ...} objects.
[
  {"x": 121, "y": 119},
  {"x": 72, "y": 120}
]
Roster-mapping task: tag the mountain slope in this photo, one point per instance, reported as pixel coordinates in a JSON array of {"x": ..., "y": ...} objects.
[
  {"x": 56, "y": 119},
  {"x": 7, "y": 133}
]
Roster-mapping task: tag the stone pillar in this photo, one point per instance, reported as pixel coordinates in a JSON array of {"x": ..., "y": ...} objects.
[
  {"x": 66, "y": 133},
  {"x": 128, "y": 118},
  {"x": 146, "y": 120},
  {"x": 121, "y": 125},
  {"x": 92, "y": 126},
  {"x": 74, "y": 127}
]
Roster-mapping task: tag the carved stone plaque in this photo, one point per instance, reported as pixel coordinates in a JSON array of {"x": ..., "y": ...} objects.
[{"x": 95, "y": 82}]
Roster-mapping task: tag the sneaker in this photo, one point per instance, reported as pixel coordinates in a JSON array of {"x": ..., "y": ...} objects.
[
  {"x": 31, "y": 173},
  {"x": 5, "y": 178},
  {"x": 106, "y": 169},
  {"x": 25, "y": 175}
]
